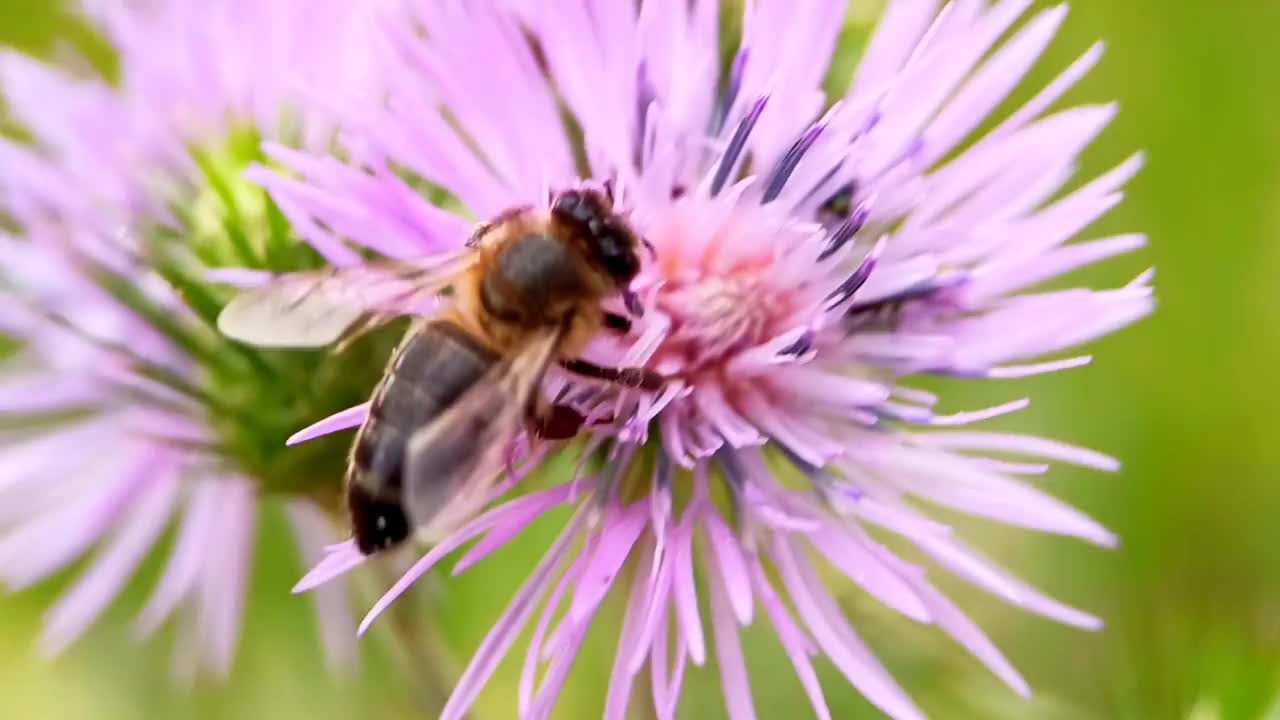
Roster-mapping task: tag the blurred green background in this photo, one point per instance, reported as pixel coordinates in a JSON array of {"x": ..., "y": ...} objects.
[{"x": 1192, "y": 597}]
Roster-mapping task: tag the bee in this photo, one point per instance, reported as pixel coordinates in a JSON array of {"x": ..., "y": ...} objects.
[{"x": 525, "y": 292}]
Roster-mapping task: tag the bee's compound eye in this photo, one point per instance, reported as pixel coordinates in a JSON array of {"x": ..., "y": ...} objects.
[
  {"x": 574, "y": 207},
  {"x": 617, "y": 255}
]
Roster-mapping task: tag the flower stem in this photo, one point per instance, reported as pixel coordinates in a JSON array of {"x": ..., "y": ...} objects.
[{"x": 424, "y": 660}]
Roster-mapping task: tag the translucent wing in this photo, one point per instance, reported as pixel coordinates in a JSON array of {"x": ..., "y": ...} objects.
[
  {"x": 451, "y": 463},
  {"x": 319, "y": 308}
]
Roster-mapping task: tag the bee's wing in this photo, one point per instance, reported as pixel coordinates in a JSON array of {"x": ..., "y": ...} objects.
[
  {"x": 452, "y": 462},
  {"x": 318, "y": 308}
]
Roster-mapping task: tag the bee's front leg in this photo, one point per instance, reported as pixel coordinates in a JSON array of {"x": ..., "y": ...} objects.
[
  {"x": 552, "y": 421},
  {"x": 638, "y": 378},
  {"x": 557, "y": 422},
  {"x": 477, "y": 235}
]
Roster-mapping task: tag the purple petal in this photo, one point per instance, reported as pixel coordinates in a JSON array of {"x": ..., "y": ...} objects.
[
  {"x": 630, "y": 641},
  {"x": 654, "y": 622},
  {"x": 79, "y": 607},
  {"x": 831, "y": 389},
  {"x": 949, "y": 481},
  {"x": 896, "y": 35},
  {"x": 221, "y": 583},
  {"x": 620, "y": 533},
  {"x": 477, "y": 526},
  {"x": 557, "y": 673},
  {"x": 188, "y": 554},
  {"x": 413, "y": 574},
  {"x": 1051, "y": 92},
  {"x": 1023, "y": 445},
  {"x": 46, "y": 543},
  {"x": 338, "y": 560},
  {"x": 733, "y": 667},
  {"x": 686, "y": 592},
  {"x": 312, "y": 529},
  {"x": 731, "y": 564},
  {"x": 968, "y": 564},
  {"x": 850, "y": 554},
  {"x": 968, "y": 634},
  {"x": 894, "y": 516},
  {"x": 528, "y": 674},
  {"x": 952, "y": 555},
  {"x": 732, "y": 426},
  {"x": 663, "y": 705},
  {"x": 993, "y": 82},
  {"x": 42, "y": 457},
  {"x": 504, "y": 632},
  {"x": 1007, "y": 372},
  {"x": 47, "y": 394},
  {"x": 1033, "y": 270},
  {"x": 517, "y": 516},
  {"x": 677, "y": 680},
  {"x": 795, "y": 642},
  {"x": 968, "y": 418},
  {"x": 836, "y": 638},
  {"x": 344, "y": 420}
]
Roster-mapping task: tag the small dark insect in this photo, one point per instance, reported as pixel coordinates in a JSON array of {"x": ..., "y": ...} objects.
[
  {"x": 525, "y": 292},
  {"x": 839, "y": 206}
]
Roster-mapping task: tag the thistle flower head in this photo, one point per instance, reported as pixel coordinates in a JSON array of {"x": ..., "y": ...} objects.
[
  {"x": 814, "y": 256},
  {"x": 124, "y": 412}
]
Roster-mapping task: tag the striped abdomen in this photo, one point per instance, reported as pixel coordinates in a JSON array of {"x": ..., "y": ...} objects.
[{"x": 429, "y": 372}]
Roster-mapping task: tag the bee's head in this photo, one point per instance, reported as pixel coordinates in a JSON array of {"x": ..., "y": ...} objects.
[{"x": 612, "y": 243}]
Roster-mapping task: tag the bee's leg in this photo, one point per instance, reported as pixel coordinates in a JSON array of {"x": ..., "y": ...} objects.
[
  {"x": 484, "y": 228},
  {"x": 633, "y": 377},
  {"x": 363, "y": 327},
  {"x": 557, "y": 422},
  {"x": 478, "y": 234},
  {"x": 551, "y": 420}
]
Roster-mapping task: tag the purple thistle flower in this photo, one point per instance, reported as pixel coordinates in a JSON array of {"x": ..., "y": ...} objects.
[
  {"x": 111, "y": 382},
  {"x": 813, "y": 256}
]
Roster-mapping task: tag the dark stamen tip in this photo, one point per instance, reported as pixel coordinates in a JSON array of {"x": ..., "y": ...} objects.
[
  {"x": 789, "y": 162},
  {"x": 738, "y": 143},
  {"x": 632, "y": 301},
  {"x": 801, "y": 346},
  {"x": 855, "y": 281},
  {"x": 845, "y": 232}
]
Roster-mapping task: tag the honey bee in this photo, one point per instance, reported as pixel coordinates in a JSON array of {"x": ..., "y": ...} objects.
[{"x": 524, "y": 293}]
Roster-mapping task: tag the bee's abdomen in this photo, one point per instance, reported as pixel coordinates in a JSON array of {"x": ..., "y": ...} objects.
[{"x": 429, "y": 372}]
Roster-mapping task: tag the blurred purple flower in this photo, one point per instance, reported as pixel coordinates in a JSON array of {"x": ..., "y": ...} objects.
[
  {"x": 123, "y": 454},
  {"x": 812, "y": 257}
]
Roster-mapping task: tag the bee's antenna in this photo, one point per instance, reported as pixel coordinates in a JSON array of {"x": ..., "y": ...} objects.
[
  {"x": 609, "y": 189},
  {"x": 653, "y": 252}
]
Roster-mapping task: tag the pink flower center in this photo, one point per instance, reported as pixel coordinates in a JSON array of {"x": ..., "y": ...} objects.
[
  {"x": 718, "y": 286},
  {"x": 713, "y": 318}
]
